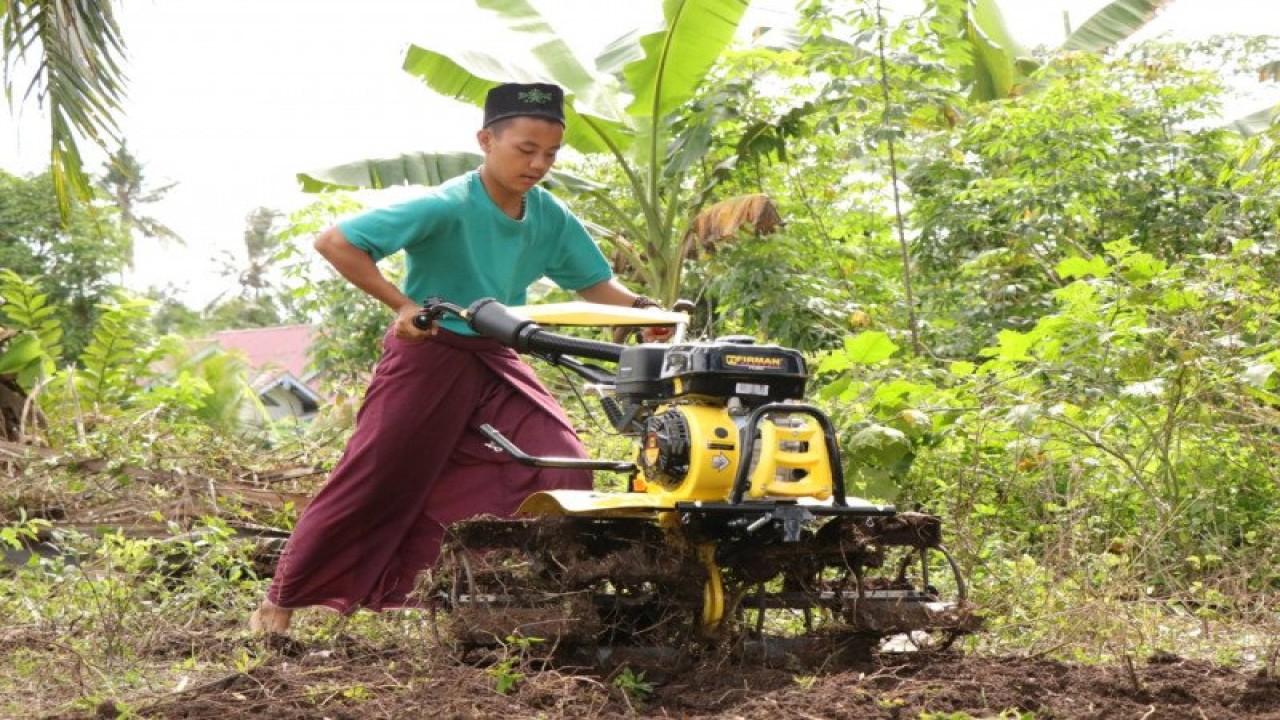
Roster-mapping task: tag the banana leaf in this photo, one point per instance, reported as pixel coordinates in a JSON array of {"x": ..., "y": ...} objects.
[
  {"x": 418, "y": 168},
  {"x": 622, "y": 107},
  {"x": 1256, "y": 122},
  {"x": 595, "y": 122},
  {"x": 999, "y": 63},
  {"x": 1112, "y": 24},
  {"x": 665, "y": 67},
  {"x": 469, "y": 75}
]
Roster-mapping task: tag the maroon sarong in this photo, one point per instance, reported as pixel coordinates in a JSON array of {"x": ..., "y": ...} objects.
[{"x": 417, "y": 462}]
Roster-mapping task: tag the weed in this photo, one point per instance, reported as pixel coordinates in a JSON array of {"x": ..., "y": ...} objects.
[
  {"x": 961, "y": 715},
  {"x": 890, "y": 703},
  {"x": 633, "y": 684},
  {"x": 23, "y": 532},
  {"x": 507, "y": 671}
]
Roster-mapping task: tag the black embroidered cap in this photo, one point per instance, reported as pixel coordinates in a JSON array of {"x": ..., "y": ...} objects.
[{"x": 542, "y": 100}]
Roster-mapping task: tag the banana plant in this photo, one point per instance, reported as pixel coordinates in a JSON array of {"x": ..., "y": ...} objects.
[
  {"x": 999, "y": 67},
  {"x": 623, "y": 106}
]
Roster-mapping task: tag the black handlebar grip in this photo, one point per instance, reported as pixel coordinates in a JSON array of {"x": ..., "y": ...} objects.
[
  {"x": 492, "y": 319},
  {"x": 536, "y": 339},
  {"x": 423, "y": 321}
]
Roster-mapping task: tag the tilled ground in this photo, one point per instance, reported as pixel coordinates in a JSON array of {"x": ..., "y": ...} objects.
[{"x": 349, "y": 679}]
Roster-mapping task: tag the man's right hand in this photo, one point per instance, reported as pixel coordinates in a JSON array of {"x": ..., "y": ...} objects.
[
  {"x": 361, "y": 271},
  {"x": 405, "y": 329}
]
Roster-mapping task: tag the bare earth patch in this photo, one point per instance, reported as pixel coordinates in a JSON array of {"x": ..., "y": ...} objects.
[{"x": 347, "y": 678}]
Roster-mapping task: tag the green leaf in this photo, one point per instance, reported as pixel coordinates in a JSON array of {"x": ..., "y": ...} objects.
[
  {"x": 1011, "y": 345},
  {"x": 593, "y": 123},
  {"x": 880, "y": 445},
  {"x": 1074, "y": 267},
  {"x": 898, "y": 391},
  {"x": 28, "y": 309},
  {"x": 877, "y": 455},
  {"x": 997, "y": 59},
  {"x": 76, "y": 50},
  {"x": 1176, "y": 299},
  {"x": 110, "y": 366},
  {"x": 676, "y": 59},
  {"x": 835, "y": 388},
  {"x": 1079, "y": 294},
  {"x": 20, "y": 352},
  {"x": 1265, "y": 396},
  {"x": 416, "y": 169},
  {"x": 869, "y": 348},
  {"x": 1112, "y": 24},
  {"x": 834, "y": 362},
  {"x": 407, "y": 169},
  {"x": 593, "y": 94},
  {"x": 1142, "y": 267}
]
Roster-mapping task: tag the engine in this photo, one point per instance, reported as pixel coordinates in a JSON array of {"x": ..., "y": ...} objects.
[{"x": 711, "y": 372}]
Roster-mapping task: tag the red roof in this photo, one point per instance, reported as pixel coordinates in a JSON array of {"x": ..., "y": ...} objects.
[{"x": 283, "y": 347}]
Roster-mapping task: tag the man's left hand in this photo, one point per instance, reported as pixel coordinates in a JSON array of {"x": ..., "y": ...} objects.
[{"x": 657, "y": 333}]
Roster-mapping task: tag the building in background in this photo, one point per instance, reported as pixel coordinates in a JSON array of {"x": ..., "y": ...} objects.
[{"x": 279, "y": 373}]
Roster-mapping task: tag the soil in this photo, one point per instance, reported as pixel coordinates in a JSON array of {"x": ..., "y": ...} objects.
[{"x": 349, "y": 679}]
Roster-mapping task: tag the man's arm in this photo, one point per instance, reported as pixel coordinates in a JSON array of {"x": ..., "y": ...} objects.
[
  {"x": 360, "y": 270},
  {"x": 611, "y": 292}
]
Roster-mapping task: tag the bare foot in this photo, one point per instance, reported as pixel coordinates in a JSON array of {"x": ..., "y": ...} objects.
[{"x": 270, "y": 618}]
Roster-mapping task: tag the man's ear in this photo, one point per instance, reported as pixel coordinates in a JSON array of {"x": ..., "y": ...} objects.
[{"x": 484, "y": 138}]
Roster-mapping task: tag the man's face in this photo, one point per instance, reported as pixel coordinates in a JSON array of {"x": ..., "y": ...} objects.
[{"x": 519, "y": 152}]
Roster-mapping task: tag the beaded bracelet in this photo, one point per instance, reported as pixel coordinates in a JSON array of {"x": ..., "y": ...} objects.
[{"x": 644, "y": 301}]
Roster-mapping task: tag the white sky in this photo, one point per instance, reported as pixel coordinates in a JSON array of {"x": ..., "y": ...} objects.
[{"x": 231, "y": 98}]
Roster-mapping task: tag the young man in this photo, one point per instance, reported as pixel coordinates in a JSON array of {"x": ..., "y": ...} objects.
[{"x": 417, "y": 461}]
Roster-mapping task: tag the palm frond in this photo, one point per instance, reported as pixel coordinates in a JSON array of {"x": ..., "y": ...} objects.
[{"x": 76, "y": 50}]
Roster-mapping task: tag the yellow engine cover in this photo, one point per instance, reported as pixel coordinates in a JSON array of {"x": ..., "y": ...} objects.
[
  {"x": 713, "y": 456},
  {"x": 790, "y": 461},
  {"x": 793, "y": 461}
]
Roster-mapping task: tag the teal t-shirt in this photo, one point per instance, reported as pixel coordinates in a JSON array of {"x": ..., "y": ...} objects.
[{"x": 459, "y": 246}]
